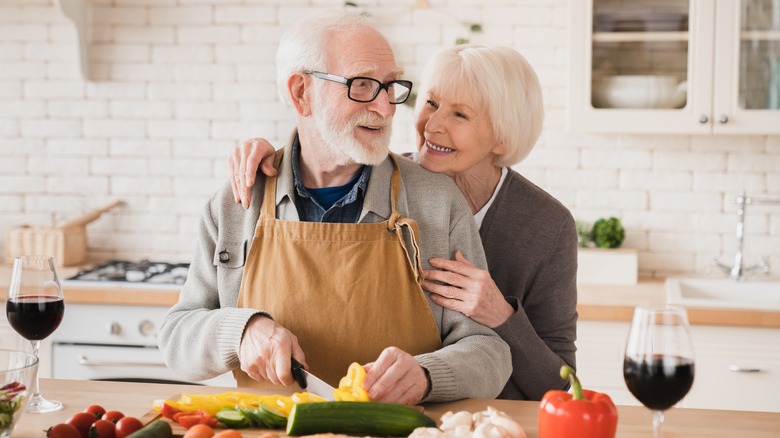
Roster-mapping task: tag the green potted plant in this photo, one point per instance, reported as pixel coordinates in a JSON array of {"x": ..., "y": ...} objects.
[{"x": 600, "y": 258}]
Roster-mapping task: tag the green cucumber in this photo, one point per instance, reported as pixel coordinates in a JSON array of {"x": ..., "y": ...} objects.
[
  {"x": 233, "y": 418},
  {"x": 274, "y": 418},
  {"x": 156, "y": 429},
  {"x": 356, "y": 418},
  {"x": 255, "y": 418}
]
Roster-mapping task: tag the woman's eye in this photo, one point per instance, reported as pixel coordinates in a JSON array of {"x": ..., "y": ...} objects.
[
  {"x": 461, "y": 115},
  {"x": 431, "y": 103}
]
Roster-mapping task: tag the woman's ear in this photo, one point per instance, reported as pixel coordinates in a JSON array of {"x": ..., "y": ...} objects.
[
  {"x": 300, "y": 93},
  {"x": 499, "y": 149}
]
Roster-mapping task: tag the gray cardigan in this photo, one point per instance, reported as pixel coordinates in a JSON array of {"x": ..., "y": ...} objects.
[
  {"x": 201, "y": 334},
  {"x": 530, "y": 242}
]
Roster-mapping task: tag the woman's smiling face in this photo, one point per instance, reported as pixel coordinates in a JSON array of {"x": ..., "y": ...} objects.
[{"x": 454, "y": 135}]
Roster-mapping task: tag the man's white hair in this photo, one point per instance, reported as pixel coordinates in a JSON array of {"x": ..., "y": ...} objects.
[{"x": 304, "y": 46}]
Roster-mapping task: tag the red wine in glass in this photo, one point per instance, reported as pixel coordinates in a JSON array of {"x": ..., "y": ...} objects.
[
  {"x": 660, "y": 382},
  {"x": 658, "y": 363},
  {"x": 34, "y": 309},
  {"x": 35, "y": 317}
]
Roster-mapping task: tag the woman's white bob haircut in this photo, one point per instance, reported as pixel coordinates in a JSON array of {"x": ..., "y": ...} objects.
[{"x": 498, "y": 82}]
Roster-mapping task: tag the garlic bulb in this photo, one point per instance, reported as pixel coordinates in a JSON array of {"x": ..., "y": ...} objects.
[
  {"x": 427, "y": 432},
  {"x": 490, "y": 423},
  {"x": 450, "y": 420}
]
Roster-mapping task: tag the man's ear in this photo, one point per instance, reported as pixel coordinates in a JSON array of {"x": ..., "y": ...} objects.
[{"x": 300, "y": 91}]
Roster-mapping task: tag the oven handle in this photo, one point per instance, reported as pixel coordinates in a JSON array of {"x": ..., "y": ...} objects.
[{"x": 83, "y": 360}]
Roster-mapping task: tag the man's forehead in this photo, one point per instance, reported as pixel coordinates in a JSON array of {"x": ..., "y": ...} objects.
[{"x": 374, "y": 70}]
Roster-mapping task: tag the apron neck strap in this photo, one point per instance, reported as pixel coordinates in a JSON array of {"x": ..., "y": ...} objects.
[
  {"x": 395, "y": 189},
  {"x": 268, "y": 209}
]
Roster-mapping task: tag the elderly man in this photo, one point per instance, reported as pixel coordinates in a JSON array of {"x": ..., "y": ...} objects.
[{"x": 326, "y": 268}]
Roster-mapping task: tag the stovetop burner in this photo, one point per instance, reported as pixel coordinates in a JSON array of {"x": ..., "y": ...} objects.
[{"x": 126, "y": 273}]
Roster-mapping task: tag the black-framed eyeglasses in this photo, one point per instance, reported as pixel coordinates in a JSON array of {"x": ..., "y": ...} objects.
[{"x": 361, "y": 89}]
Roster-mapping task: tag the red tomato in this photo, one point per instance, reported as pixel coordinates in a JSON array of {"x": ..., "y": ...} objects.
[
  {"x": 63, "y": 430},
  {"x": 127, "y": 425},
  {"x": 102, "y": 429},
  {"x": 113, "y": 416},
  {"x": 82, "y": 421},
  {"x": 96, "y": 410}
]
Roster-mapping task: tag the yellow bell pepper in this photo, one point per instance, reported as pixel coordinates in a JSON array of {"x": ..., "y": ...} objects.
[{"x": 351, "y": 386}]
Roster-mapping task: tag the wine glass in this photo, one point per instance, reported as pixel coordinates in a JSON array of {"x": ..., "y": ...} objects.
[
  {"x": 35, "y": 308},
  {"x": 658, "y": 365}
]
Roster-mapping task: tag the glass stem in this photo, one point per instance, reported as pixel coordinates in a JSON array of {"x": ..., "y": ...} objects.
[
  {"x": 658, "y": 421},
  {"x": 36, "y": 392}
]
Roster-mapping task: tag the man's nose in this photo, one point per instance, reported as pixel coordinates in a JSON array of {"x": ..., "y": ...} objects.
[{"x": 381, "y": 104}]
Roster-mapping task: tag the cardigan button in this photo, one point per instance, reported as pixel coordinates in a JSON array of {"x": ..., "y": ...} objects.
[{"x": 224, "y": 256}]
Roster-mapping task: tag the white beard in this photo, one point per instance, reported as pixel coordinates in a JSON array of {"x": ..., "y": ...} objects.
[{"x": 341, "y": 148}]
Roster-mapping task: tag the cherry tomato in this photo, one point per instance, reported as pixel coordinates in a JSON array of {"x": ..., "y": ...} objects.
[
  {"x": 199, "y": 431},
  {"x": 82, "y": 421},
  {"x": 63, "y": 430},
  {"x": 127, "y": 425},
  {"x": 113, "y": 416},
  {"x": 96, "y": 410},
  {"x": 102, "y": 429}
]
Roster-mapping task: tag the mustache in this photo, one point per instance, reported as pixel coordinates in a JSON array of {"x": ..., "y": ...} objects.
[{"x": 369, "y": 119}]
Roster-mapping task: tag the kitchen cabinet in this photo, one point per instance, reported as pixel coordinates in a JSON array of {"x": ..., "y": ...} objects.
[
  {"x": 737, "y": 368},
  {"x": 675, "y": 66}
]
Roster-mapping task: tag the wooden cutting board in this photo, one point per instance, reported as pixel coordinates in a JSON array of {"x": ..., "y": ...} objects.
[{"x": 179, "y": 430}]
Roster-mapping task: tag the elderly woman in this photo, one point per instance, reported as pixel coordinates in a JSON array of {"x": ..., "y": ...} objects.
[{"x": 479, "y": 111}]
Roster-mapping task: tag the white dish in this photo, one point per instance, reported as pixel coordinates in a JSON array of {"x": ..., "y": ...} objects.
[{"x": 639, "y": 91}]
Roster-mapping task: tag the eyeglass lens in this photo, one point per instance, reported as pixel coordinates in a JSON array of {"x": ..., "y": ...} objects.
[{"x": 366, "y": 89}]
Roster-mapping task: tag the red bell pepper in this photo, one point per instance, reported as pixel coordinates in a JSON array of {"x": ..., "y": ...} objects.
[{"x": 582, "y": 414}]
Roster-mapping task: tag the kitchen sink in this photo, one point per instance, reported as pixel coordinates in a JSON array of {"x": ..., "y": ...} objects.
[{"x": 723, "y": 293}]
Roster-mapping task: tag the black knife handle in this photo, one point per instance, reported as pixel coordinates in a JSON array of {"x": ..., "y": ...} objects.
[{"x": 297, "y": 372}]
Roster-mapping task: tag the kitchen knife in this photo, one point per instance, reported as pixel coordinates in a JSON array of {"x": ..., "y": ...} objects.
[{"x": 310, "y": 382}]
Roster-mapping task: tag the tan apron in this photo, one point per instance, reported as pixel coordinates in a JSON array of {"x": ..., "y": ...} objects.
[{"x": 347, "y": 291}]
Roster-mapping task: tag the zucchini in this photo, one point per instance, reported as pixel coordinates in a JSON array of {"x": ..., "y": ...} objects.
[
  {"x": 156, "y": 429},
  {"x": 356, "y": 418},
  {"x": 233, "y": 418}
]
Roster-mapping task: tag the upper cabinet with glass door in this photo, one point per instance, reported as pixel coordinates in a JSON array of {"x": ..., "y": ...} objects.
[{"x": 675, "y": 66}]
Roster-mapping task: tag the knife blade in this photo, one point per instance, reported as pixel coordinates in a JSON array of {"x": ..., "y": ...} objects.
[{"x": 310, "y": 382}]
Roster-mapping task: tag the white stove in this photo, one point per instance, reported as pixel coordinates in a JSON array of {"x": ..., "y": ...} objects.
[{"x": 118, "y": 342}]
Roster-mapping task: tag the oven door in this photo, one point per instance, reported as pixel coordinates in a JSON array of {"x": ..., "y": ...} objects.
[{"x": 118, "y": 363}]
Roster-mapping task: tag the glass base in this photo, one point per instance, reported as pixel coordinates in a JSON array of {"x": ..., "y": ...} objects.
[{"x": 39, "y": 405}]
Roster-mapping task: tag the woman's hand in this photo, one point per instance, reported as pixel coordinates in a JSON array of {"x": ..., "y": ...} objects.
[
  {"x": 243, "y": 164},
  {"x": 468, "y": 290},
  {"x": 395, "y": 377}
]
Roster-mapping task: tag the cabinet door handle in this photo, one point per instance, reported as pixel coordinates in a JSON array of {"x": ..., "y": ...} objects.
[
  {"x": 741, "y": 369},
  {"x": 723, "y": 119},
  {"x": 704, "y": 119},
  {"x": 83, "y": 360}
]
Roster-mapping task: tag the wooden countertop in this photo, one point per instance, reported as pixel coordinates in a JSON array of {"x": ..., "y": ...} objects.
[
  {"x": 135, "y": 399},
  {"x": 616, "y": 303},
  {"x": 595, "y": 302}
]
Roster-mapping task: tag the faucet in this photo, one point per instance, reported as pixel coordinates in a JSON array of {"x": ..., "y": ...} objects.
[{"x": 736, "y": 271}]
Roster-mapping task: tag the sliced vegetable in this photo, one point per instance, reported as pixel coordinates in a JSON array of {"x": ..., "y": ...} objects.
[
  {"x": 351, "y": 386},
  {"x": 274, "y": 418},
  {"x": 368, "y": 418},
  {"x": 233, "y": 418}
]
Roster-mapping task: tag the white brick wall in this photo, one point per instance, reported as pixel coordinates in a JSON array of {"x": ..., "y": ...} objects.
[{"x": 178, "y": 84}]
